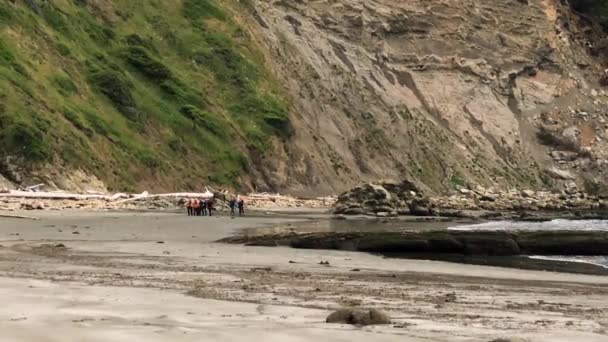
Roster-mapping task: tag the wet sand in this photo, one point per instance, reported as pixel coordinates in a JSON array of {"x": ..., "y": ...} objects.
[{"x": 160, "y": 277}]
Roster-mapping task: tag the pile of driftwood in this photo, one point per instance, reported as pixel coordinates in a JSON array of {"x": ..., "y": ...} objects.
[
  {"x": 266, "y": 200},
  {"x": 97, "y": 196},
  {"x": 34, "y": 199}
]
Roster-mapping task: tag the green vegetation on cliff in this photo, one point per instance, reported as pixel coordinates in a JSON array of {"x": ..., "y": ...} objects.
[
  {"x": 154, "y": 93},
  {"x": 597, "y": 9}
]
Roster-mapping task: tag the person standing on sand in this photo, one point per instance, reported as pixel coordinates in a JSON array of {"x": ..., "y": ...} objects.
[
  {"x": 204, "y": 205},
  {"x": 189, "y": 206},
  {"x": 195, "y": 207},
  {"x": 241, "y": 204},
  {"x": 210, "y": 206},
  {"x": 232, "y": 205}
]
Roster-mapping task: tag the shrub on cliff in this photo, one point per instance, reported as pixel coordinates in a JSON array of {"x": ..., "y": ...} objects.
[
  {"x": 597, "y": 9},
  {"x": 116, "y": 88},
  {"x": 141, "y": 60}
]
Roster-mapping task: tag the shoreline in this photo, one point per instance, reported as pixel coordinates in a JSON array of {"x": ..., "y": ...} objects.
[
  {"x": 128, "y": 276},
  {"x": 318, "y": 220}
]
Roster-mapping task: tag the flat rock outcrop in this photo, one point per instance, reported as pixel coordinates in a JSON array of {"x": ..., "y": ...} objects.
[{"x": 492, "y": 243}]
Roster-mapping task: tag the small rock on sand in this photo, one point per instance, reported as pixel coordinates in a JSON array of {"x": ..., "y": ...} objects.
[
  {"x": 510, "y": 339},
  {"x": 358, "y": 317}
]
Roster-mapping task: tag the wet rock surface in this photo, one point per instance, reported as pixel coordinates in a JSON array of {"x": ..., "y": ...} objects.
[{"x": 491, "y": 243}]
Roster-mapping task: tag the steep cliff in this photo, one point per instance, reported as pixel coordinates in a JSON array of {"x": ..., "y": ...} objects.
[
  {"x": 443, "y": 92},
  {"x": 308, "y": 96}
]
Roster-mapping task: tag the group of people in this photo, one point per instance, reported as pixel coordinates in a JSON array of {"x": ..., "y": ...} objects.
[
  {"x": 234, "y": 203},
  {"x": 205, "y": 207},
  {"x": 199, "y": 207}
]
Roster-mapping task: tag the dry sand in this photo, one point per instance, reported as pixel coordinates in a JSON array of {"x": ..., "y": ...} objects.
[{"x": 116, "y": 282}]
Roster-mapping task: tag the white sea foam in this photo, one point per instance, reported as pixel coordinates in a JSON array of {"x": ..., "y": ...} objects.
[
  {"x": 554, "y": 225},
  {"x": 594, "y": 260},
  {"x": 580, "y": 225}
]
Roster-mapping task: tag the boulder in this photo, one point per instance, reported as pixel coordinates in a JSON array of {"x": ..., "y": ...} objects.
[
  {"x": 421, "y": 206},
  {"x": 527, "y": 193},
  {"x": 356, "y": 316},
  {"x": 385, "y": 209},
  {"x": 488, "y": 198},
  {"x": 9, "y": 167},
  {"x": 354, "y": 211},
  {"x": 556, "y": 173},
  {"x": 385, "y": 197}
]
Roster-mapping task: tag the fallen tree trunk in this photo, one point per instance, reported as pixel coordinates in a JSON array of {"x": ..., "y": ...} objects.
[
  {"x": 205, "y": 195},
  {"x": 60, "y": 195},
  {"x": 118, "y": 198},
  {"x": 19, "y": 217}
]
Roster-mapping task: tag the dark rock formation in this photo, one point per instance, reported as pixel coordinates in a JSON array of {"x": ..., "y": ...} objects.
[
  {"x": 358, "y": 317},
  {"x": 490, "y": 243}
]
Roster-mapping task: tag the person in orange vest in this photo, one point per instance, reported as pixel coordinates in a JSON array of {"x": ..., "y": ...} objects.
[{"x": 196, "y": 206}]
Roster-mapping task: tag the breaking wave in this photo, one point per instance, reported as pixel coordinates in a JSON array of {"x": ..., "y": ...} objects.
[{"x": 557, "y": 225}]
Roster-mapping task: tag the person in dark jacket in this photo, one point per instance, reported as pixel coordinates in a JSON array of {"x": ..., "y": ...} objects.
[
  {"x": 189, "y": 206},
  {"x": 232, "y": 205},
  {"x": 204, "y": 205},
  {"x": 210, "y": 205},
  {"x": 241, "y": 205}
]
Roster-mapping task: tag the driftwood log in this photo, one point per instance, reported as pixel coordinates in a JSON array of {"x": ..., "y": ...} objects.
[{"x": 19, "y": 217}]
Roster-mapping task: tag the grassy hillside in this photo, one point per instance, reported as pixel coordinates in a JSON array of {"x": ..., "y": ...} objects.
[{"x": 141, "y": 93}]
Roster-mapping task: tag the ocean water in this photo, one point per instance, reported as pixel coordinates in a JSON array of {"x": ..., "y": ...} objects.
[
  {"x": 556, "y": 225},
  {"x": 581, "y": 225},
  {"x": 593, "y": 260}
]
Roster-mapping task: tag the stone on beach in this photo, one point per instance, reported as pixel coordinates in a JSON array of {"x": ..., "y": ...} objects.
[
  {"x": 356, "y": 316},
  {"x": 509, "y": 339}
]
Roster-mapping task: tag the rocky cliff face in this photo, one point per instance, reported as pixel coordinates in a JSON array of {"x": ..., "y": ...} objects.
[
  {"x": 442, "y": 92},
  {"x": 447, "y": 93}
]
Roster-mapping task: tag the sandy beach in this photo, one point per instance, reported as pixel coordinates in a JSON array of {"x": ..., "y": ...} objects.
[{"x": 124, "y": 276}]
